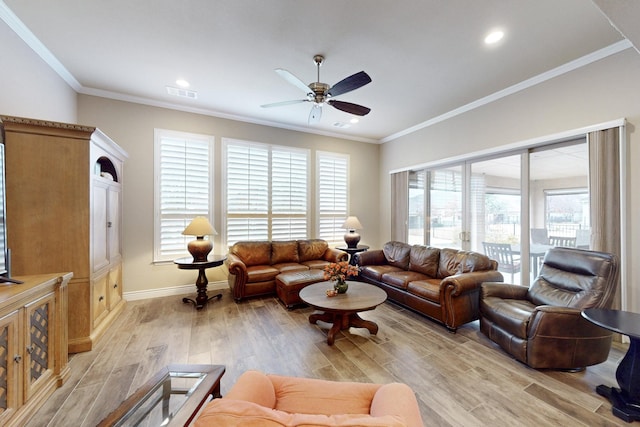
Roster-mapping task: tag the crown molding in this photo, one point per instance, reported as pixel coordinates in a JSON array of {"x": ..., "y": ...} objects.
[{"x": 518, "y": 87}]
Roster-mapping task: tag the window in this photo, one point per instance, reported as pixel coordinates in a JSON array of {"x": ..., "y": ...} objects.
[
  {"x": 183, "y": 179},
  {"x": 267, "y": 192},
  {"x": 332, "y": 179}
]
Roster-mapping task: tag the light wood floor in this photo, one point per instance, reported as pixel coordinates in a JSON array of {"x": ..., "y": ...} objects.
[{"x": 460, "y": 379}]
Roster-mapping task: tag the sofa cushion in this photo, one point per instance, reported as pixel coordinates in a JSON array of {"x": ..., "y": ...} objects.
[
  {"x": 454, "y": 261},
  {"x": 474, "y": 261},
  {"x": 261, "y": 273},
  {"x": 400, "y": 279},
  {"x": 317, "y": 264},
  {"x": 377, "y": 271},
  {"x": 253, "y": 253},
  {"x": 232, "y": 413},
  {"x": 283, "y": 252},
  {"x": 427, "y": 289},
  {"x": 315, "y": 396},
  {"x": 449, "y": 262},
  {"x": 397, "y": 254},
  {"x": 311, "y": 249},
  {"x": 290, "y": 266},
  {"x": 424, "y": 259}
]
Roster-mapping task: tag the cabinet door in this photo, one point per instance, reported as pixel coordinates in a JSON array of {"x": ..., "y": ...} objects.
[
  {"x": 99, "y": 225},
  {"x": 115, "y": 286},
  {"x": 99, "y": 298},
  {"x": 113, "y": 222},
  {"x": 10, "y": 367},
  {"x": 39, "y": 357}
]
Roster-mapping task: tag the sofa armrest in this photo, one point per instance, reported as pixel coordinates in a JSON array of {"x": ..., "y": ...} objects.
[
  {"x": 553, "y": 321},
  {"x": 335, "y": 255},
  {"x": 255, "y": 387},
  {"x": 238, "y": 276},
  {"x": 397, "y": 399},
  {"x": 503, "y": 290},
  {"x": 375, "y": 257},
  {"x": 459, "y": 284}
]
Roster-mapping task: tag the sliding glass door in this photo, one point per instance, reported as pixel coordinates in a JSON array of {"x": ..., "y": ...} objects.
[
  {"x": 484, "y": 205},
  {"x": 494, "y": 219}
]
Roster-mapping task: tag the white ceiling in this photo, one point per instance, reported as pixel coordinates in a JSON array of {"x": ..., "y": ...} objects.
[{"x": 426, "y": 58}]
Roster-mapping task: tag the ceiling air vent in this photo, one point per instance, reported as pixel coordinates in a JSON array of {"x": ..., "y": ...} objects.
[{"x": 182, "y": 92}]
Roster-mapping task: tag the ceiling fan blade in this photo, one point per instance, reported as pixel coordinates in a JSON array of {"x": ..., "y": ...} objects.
[
  {"x": 350, "y": 83},
  {"x": 315, "y": 115},
  {"x": 356, "y": 109},
  {"x": 280, "y": 104},
  {"x": 293, "y": 80}
]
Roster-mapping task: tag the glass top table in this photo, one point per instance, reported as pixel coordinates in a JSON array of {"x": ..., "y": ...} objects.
[{"x": 172, "y": 397}]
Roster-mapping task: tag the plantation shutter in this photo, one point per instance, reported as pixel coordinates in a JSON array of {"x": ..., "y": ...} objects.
[
  {"x": 267, "y": 189},
  {"x": 183, "y": 190},
  {"x": 288, "y": 195},
  {"x": 332, "y": 175}
]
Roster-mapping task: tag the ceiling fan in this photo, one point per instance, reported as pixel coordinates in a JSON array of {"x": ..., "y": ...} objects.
[{"x": 321, "y": 93}]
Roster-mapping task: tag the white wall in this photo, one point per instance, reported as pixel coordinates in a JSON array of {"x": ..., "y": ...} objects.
[
  {"x": 131, "y": 126},
  {"x": 602, "y": 91},
  {"x": 28, "y": 86}
]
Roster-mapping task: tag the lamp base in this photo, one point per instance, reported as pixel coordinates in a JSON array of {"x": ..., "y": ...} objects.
[
  {"x": 199, "y": 249},
  {"x": 351, "y": 239}
]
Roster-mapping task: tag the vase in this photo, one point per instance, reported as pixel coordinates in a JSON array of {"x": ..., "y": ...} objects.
[{"x": 341, "y": 286}]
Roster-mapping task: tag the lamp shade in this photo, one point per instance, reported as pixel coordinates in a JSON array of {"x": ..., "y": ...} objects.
[
  {"x": 352, "y": 223},
  {"x": 199, "y": 226}
]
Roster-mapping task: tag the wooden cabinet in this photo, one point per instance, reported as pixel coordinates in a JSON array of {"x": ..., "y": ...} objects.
[
  {"x": 33, "y": 344},
  {"x": 64, "y": 213}
]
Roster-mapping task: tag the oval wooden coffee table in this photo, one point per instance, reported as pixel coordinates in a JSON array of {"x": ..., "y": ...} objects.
[{"x": 342, "y": 310}]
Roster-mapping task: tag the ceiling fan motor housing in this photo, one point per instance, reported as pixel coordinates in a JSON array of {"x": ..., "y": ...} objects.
[{"x": 319, "y": 91}]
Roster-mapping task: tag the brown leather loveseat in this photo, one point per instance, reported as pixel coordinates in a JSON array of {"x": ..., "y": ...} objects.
[
  {"x": 254, "y": 265},
  {"x": 443, "y": 284}
]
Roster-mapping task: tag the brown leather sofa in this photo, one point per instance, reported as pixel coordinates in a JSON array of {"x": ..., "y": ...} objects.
[
  {"x": 542, "y": 325},
  {"x": 443, "y": 284},
  {"x": 254, "y": 265}
]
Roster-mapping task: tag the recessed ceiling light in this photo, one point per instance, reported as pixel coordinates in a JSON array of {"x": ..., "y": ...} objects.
[
  {"x": 354, "y": 120},
  {"x": 182, "y": 83},
  {"x": 494, "y": 37}
]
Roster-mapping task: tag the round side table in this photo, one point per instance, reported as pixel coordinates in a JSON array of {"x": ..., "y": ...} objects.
[
  {"x": 187, "y": 263},
  {"x": 352, "y": 251},
  {"x": 625, "y": 400}
]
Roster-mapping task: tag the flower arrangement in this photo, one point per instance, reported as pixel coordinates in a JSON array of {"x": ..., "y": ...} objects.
[{"x": 339, "y": 271}]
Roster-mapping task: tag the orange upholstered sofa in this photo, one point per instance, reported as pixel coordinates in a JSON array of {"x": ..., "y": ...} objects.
[{"x": 258, "y": 399}]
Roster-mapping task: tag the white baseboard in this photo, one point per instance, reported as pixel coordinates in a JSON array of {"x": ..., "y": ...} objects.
[{"x": 170, "y": 291}]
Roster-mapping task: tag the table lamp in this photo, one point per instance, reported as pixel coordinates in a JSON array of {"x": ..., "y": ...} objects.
[
  {"x": 200, "y": 247},
  {"x": 352, "y": 238}
]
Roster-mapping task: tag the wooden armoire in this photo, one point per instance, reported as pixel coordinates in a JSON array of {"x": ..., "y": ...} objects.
[{"x": 64, "y": 213}]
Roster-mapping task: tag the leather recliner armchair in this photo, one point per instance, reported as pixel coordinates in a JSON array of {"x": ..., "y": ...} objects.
[{"x": 542, "y": 326}]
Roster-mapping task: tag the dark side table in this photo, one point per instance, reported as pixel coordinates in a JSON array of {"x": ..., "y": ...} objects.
[
  {"x": 187, "y": 263},
  {"x": 352, "y": 251},
  {"x": 626, "y": 399}
]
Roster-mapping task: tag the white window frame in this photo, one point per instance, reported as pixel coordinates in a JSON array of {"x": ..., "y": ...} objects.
[
  {"x": 338, "y": 216},
  {"x": 160, "y": 254},
  {"x": 269, "y": 215}
]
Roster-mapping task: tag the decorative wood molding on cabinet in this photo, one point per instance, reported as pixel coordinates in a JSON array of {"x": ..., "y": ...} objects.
[
  {"x": 33, "y": 340},
  {"x": 64, "y": 206}
]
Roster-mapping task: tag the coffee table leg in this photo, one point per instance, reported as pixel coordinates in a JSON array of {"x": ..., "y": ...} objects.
[
  {"x": 358, "y": 322},
  {"x": 340, "y": 322}
]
